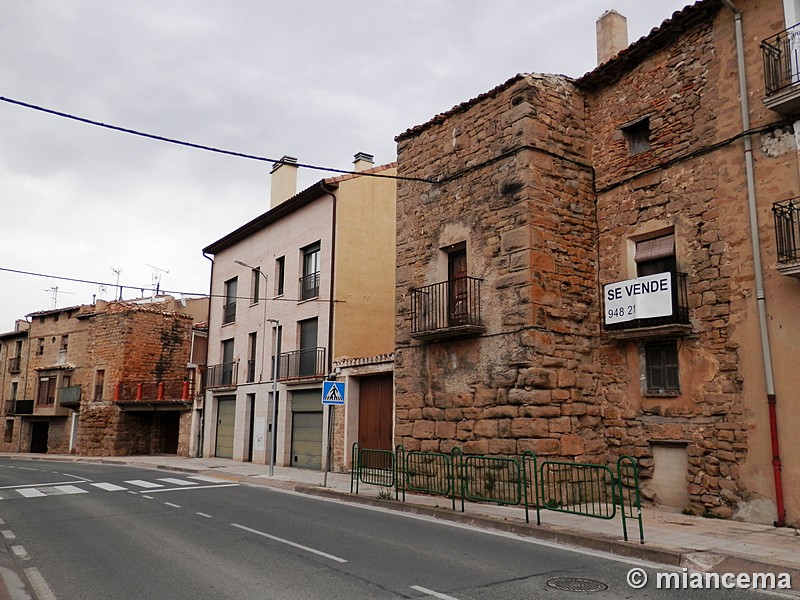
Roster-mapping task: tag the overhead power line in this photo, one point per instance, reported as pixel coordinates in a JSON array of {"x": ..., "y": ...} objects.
[{"x": 168, "y": 140}]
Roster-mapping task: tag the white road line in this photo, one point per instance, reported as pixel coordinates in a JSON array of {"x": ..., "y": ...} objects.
[
  {"x": 39, "y": 585},
  {"x": 433, "y": 594},
  {"x": 198, "y": 487},
  {"x": 173, "y": 505},
  {"x": 204, "y": 515},
  {"x": 205, "y": 478},
  {"x": 8, "y": 534},
  {"x": 20, "y": 552},
  {"x": 71, "y": 489},
  {"x": 177, "y": 481},
  {"x": 290, "y": 543},
  {"x": 109, "y": 487},
  {"x": 30, "y": 492}
]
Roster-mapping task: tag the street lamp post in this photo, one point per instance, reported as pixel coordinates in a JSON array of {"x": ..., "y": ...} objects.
[{"x": 275, "y": 325}]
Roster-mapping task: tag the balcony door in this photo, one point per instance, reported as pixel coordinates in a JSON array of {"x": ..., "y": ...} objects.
[
  {"x": 308, "y": 347},
  {"x": 457, "y": 300}
]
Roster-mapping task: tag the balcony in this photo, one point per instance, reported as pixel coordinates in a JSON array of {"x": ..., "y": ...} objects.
[
  {"x": 787, "y": 234},
  {"x": 781, "y": 55},
  {"x": 449, "y": 309},
  {"x": 302, "y": 365},
  {"x": 69, "y": 397},
  {"x": 224, "y": 375},
  {"x": 20, "y": 407},
  {"x": 14, "y": 364},
  {"x": 309, "y": 286},
  {"x": 675, "y": 323}
]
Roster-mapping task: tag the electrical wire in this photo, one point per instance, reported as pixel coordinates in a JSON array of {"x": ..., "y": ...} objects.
[
  {"x": 168, "y": 140},
  {"x": 142, "y": 289}
]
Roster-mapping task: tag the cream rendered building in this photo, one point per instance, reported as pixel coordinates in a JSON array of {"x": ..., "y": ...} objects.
[{"x": 313, "y": 277}]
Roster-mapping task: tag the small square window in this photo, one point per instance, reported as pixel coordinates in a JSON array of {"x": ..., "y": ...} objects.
[
  {"x": 661, "y": 367},
  {"x": 638, "y": 136}
]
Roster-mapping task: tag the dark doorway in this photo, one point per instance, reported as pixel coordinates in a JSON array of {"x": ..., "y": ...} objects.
[
  {"x": 457, "y": 301},
  {"x": 171, "y": 432},
  {"x": 39, "y": 431}
]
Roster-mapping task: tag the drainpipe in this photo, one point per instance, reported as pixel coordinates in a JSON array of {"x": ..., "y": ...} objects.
[
  {"x": 760, "y": 296},
  {"x": 329, "y": 449},
  {"x": 201, "y": 433}
]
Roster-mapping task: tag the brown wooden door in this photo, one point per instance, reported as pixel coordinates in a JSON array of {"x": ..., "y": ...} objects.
[
  {"x": 457, "y": 305},
  {"x": 375, "y": 412}
]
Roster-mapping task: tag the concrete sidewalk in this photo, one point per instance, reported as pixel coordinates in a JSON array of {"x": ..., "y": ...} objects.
[{"x": 671, "y": 538}]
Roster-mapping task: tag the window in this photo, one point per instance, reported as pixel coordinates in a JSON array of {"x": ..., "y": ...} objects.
[
  {"x": 14, "y": 390},
  {"x": 46, "y": 391},
  {"x": 280, "y": 273},
  {"x": 64, "y": 342},
  {"x": 229, "y": 308},
  {"x": 457, "y": 299},
  {"x": 9, "y": 433},
  {"x": 39, "y": 346},
  {"x": 309, "y": 282},
  {"x": 252, "y": 342},
  {"x": 661, "y": 367},
  {"x": 656, "y": 255},
  {"x": 99, "y": 384},
  {"x": 255, "y": 285},
  {"x": 638, "y": 136}
]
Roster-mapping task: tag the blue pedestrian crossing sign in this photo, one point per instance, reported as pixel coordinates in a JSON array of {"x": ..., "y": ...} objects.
[{"x": 333, "y": 393}]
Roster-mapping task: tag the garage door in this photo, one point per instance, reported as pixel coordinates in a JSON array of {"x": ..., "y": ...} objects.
[
  {"x": 307, "y": 429},
  {"x": 226, "y": 418}
]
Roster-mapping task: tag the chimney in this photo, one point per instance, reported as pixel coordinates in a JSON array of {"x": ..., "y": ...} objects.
[
  {"x": 363, "y": 161},
  {"x": 283, "y": 183},
  {"x": 612, "y": 35}
]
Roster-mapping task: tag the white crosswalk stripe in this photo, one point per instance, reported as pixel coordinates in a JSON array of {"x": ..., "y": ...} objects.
[
  {"x": 109, "y": 487},
  {"x": 144, "y": 484},
  {"x": 177, "y": 481}
]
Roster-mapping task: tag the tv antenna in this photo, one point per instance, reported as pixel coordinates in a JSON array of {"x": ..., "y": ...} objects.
[
  {"x": 55, "y": 292},
  {"x": 156, "y": 277},
  {"x": 117, "y": 272}
]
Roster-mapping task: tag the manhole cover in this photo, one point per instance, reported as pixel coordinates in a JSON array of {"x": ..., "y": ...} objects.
[{"x": 577, "y": 584}]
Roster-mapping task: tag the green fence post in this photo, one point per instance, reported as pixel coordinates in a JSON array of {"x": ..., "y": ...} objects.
[
  {"x": 630, "y": 467},
  {"x": 456, "y": 455},
  {"x": 400, "y": 465},
  {"x": 354, "y": 468}
]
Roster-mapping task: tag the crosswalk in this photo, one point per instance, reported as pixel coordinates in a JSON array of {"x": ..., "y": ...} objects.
[{"x": 60, "y": 488}]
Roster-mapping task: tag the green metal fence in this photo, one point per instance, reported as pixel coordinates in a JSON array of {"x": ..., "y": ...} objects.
[
  {"x": 585, "y": 489},
  {"x": 374, "y": 467}
]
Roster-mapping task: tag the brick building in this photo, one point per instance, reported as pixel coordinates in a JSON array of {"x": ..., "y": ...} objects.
[
  {"x": 592, "y": 268},
  {"x": 106, "y": 379}
]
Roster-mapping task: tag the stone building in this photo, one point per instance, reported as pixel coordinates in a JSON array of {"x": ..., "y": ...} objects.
[
  {"x": 307, "y": 286},
  {"x": 590, "y": 267},
  {"x": 106, "y": 379}
]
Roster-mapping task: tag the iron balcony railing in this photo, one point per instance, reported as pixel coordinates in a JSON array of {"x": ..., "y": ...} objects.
[
  {"x": 781, "y": 54},
  {"x": 14, "y": 364},
  {"x": 21, "y": 407},
  {"x": 229, "y": 313},
  {"x": 447, "y": 304},
  {"x": 309, "y": 286},
  {"x": 307, "y": 363},
  {"x": 680, "y": 309},
  {"x": 154, "y": 391},
  {"x": 69, "y": 397},
  {"x": 222, "y": 375},
  {"x": 787, "y": 229}
]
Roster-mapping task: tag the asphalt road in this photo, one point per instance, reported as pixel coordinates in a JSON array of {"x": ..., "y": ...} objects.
[{"x": 78, "y": 531}]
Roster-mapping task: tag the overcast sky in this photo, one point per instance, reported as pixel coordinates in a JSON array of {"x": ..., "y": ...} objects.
[{"x": 316, "y": 79}]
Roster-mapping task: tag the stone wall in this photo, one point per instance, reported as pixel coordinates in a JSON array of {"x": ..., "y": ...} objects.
[{"x": 518, "y": 192}]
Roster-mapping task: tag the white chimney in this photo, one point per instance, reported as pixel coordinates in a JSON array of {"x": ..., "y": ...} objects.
[
  {"x": 363, "y": 161},
  {"x": 612, "y": 35},
  {"x": 283, "y": 184}
]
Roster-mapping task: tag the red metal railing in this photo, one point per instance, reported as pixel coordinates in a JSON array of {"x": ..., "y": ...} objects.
[{"x": 154, "y": 391}]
